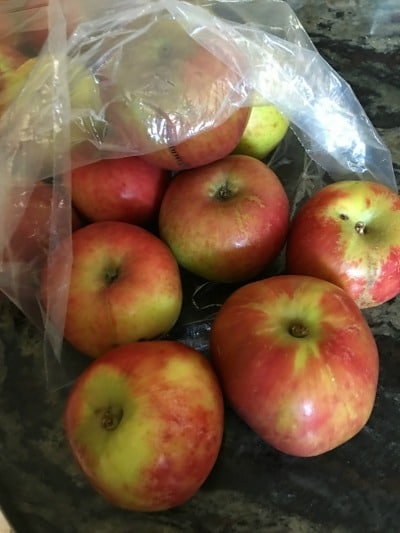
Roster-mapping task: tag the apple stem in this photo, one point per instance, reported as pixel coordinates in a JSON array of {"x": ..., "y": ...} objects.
[
  {"x": 111, "y": 418},
  {"x": 111, "y": 274},
  {"x": 360, "y": 228},
  {"x": 298, "y": 330}
]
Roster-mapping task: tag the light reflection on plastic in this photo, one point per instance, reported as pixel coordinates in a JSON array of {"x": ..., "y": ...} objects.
[{"x": 332, "y": 121}]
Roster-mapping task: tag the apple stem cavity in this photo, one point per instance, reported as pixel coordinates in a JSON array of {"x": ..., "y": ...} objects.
[
  {"x": 298, "y": 330},
  {"x": 224, "y": 192},
  {"x": 360, "y": 228},
  {"x": 111, "y": 418},
  {"x": 111, "y": 274}
]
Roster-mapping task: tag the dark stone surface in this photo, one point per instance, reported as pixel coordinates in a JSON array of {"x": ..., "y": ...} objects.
[{"x": 354, "y": 488}]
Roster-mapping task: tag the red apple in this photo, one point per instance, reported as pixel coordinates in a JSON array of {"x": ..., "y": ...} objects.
[
  {"x": 126, "y": 189},
  {"x": 167, "y": 96},
  {"x": 205, "y": 147},
  {"x": 297, "y": 361},
  {"x": 349, "y": 233},
  {"x": 124, "y": 286},
  {"x": 145, "y": 424},
  {"x": 28, "y": 219},
  {"x": 225, "y": 221}
]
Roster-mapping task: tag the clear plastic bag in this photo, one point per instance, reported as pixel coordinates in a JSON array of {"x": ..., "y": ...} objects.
[{"x": 87, "y": 81}]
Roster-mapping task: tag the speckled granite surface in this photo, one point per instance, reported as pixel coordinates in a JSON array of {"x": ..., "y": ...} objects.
[{"x": 355, "y": 488}]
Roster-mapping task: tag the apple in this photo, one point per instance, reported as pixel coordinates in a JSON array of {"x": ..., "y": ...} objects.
[
  {"x": 127, "y": 189},
  {"x": 265, "y": 129},
  {"x": 167, "y": 96},
  {"x": 8, "y": 33},
  {"x": 348, "y": 233},
  {"x": 124, "y": 286},
  {"x": 145, "y": 424},
  {"x": 28, "y": 218},
  {"x": 297, "y": 361},
  {"x": 34, "y": 22},
  {"x": 225, "y": 221},
  {"x": 205, "y": 147},
  {"x": 10, "y": 60},
  {"x": 46, "y": 134}
]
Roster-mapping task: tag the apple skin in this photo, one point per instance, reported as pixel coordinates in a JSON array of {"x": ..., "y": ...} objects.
[
  {"x": 35, "y": 22},
  {"x": 8, "y": 35},
  {"x": 145, "y": 424},
  {"x": 297, "y": 361},
  {"x": 203, "y": 148},
  {"x": 124, "y": 189},
  {"x": 85, "y": 120},
  {"x": 29, "y": 212},
  {"x": 124, "y": 286},
  {"x": 348, "y": 233},
  {"x": 225, "y": 221},
  {"x": 166, "y": 97},
  {"x": 265, "y": 129},
  {"x": 11, "y": 60}
]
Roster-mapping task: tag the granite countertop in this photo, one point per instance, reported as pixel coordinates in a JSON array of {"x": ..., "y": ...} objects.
[{"x": 354, "y": 488}]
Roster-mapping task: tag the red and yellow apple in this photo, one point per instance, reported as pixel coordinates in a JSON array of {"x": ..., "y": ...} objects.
[
  {"x": 225, "y": 221},
  {"x": 28, "y": 218},
  {"x": 297, "y": 361},
  {"x": 145, "y": 424},
  {"x": 348, "y": 233},
  {"x": 170, "y": 99},
  {"x": 47, "y": 138},
  {"x": 124, "y": 286},
  {"x": 127, "y": 189}
]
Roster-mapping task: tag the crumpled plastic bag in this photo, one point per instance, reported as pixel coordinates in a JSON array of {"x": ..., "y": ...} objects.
[{"x": 101, "y": 67}]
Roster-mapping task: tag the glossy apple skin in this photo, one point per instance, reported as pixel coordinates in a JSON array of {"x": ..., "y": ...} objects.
[
  {"x": 297, "y": 361},
  {"x": 225, "y": 221},
  {"x": 349, "y": 233},
  {"x": 125, "y": 189},
  {"x": 29, "y": 213},
  {"x": 166, "y": 97},
  {"x": 124, "y": 286},
  {"x": 170, "y": 433}
]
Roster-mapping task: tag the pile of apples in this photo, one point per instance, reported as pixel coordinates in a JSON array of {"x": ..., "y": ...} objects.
[{"x": 292, "y": 353}]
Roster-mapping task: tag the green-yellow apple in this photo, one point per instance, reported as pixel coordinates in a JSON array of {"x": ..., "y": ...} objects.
[
  {"x": 145, "y": 424},
  {"x": 45, "y": 134},
  {"x": 348, "y": 233},
  {"x": 172, "y": 100},
  {"x": 11, "y": 60},
  {"x": 265, "y": 129},
  {"x": 124, "y": 286},
  {"x": 128, "y": 189},
  {"x": 297, "y": 361},
  {"x": 225, "y": 221}
]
